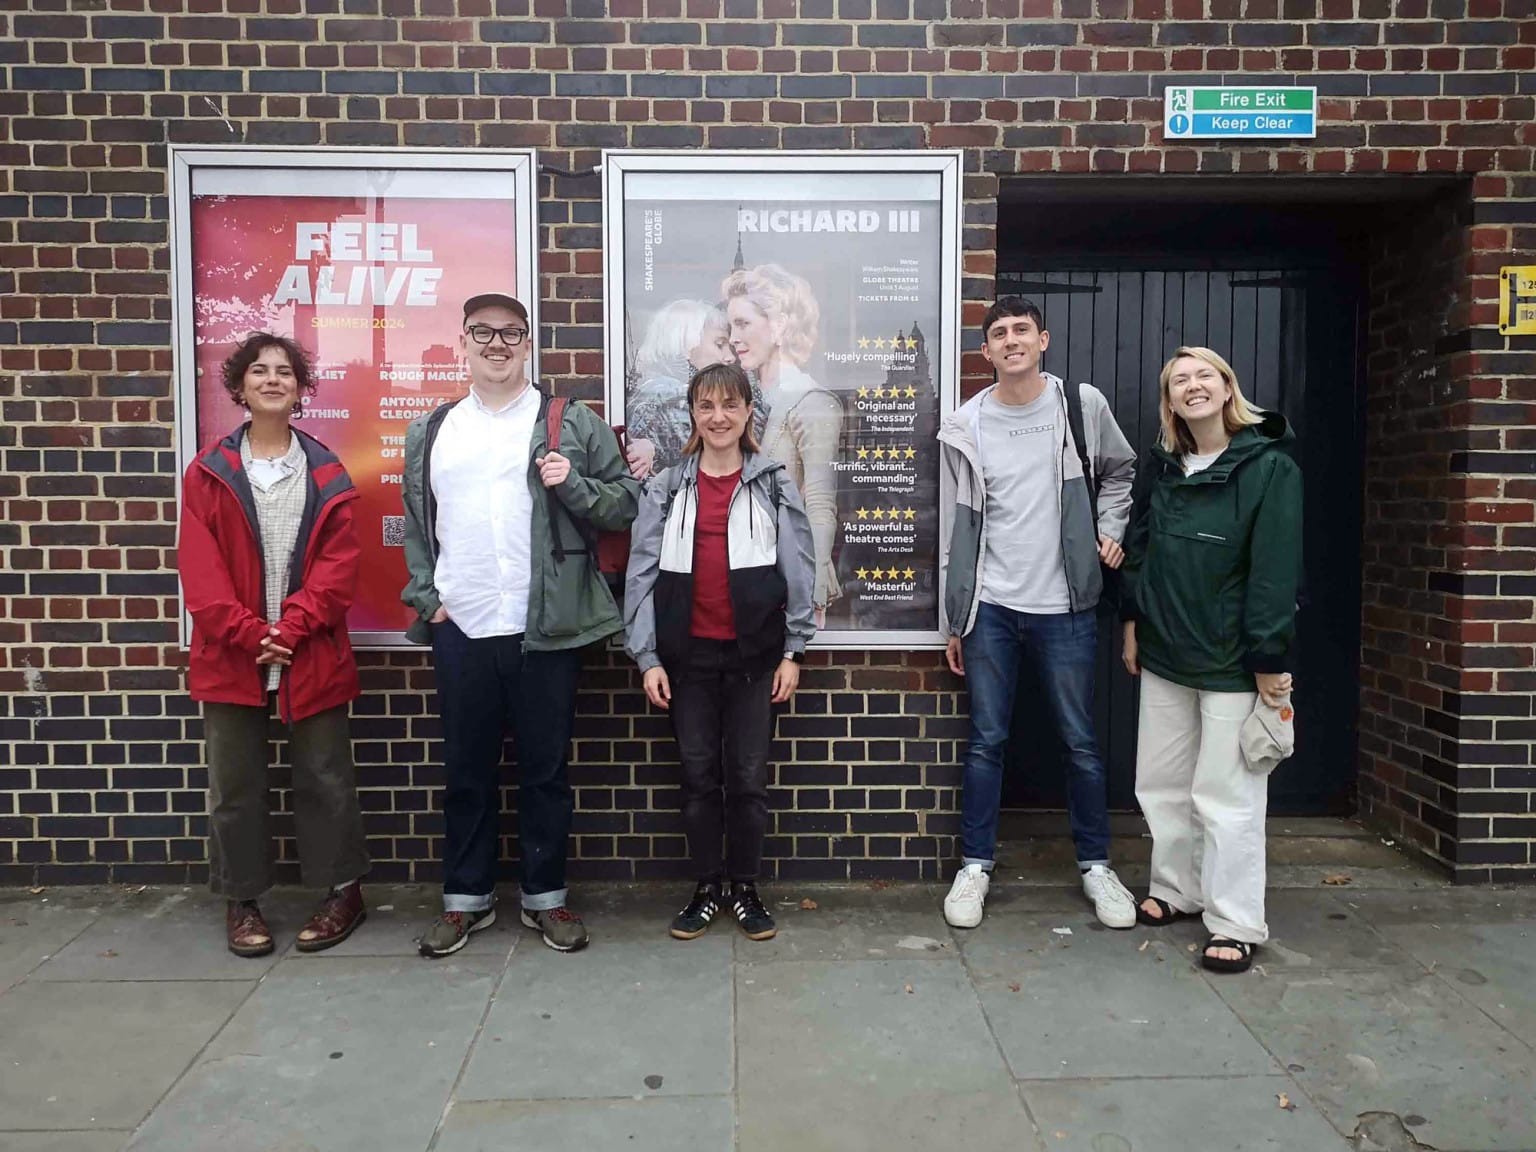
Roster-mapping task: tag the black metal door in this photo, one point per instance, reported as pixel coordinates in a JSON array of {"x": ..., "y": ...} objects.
[{"x": 1291, "y": 337}]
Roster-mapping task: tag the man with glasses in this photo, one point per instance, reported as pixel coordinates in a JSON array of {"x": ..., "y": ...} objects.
[{"x": 507, "y": 591}]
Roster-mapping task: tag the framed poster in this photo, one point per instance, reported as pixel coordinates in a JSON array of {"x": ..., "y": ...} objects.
[
  {"x": 365, "y": 258},
  {"x": 833, "y": 278}
]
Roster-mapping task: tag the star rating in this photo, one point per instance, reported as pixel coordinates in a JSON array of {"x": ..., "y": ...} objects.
[
  {"x": 911, "y": 513},
  {"x": 910, "y": 453},
  {"x": 863, "y": 393},
  {"x": 861, "y": 573},
  {"x": 879, "y": 341},
  {"x": 863, "y": 341},
  {"x": 910, "y": 393},
  {"x": 894, "y": 513},
  {"x": 879, "y": 453},
  {"x": 863, "y": 453},
  {"x": 863, "y": 513},
  {"x": 878, "y": 513},
  {"x": 911, "y": 343},
  {"x": 909, "y": 573}
]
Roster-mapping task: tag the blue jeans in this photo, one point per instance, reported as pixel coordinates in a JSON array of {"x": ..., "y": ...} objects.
[
  {"x": 1063, "y": 647},
  {"x": 484, "y": 687}
]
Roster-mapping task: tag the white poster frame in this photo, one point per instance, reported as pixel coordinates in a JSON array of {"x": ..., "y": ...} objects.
[
  {"x": 948, "y": 164},
  {"x": 421, "y": 169}
]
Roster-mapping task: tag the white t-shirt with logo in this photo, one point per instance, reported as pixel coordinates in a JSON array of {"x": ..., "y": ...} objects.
[{"x": 1023, "y": 568}]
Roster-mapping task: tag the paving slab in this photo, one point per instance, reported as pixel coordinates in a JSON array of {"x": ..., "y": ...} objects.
[
  {"x": 100, "y": 1055},
  {"x": 1311, "y": 930},
  {"x": 1442, "y": 905},
  {"x": 339, "y": 1055},
  {"x": 1492, "y": 965},
  {"x": 638, "y": 1020},
  {"x": 1235, "y": 1114},
  {"x": 1392, "y": 1041},
  {"x": 856, "y": 924},
  {"x": 663, "y": 1124},
  {"x": 160, "y": 934},
  {"x": 1105, "y": 1023},
  {"x": 33, "y": 928},
  {"x": 883, "y": 1054},
  {"x": 76, "y": 1141}
]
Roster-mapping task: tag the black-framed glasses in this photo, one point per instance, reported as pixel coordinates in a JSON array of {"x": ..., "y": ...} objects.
[{"x": 484, "y": 334}]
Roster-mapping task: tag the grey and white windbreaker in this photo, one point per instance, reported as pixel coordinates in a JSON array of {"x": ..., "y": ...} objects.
[
  {"x": 963, "y": 486},
  {"x": 770, "y": 558}
]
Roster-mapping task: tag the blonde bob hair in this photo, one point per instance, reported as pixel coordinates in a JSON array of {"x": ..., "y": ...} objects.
[
  {"x": 720, "y": 382},
  {"x": 785, "y": 299},
  {"x": 1236, "y": 413}
]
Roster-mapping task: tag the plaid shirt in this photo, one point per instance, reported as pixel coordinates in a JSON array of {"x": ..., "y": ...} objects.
[{"x": 279, "y": 509}]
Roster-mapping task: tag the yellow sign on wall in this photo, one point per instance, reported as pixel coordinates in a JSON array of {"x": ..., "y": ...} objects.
[{"x": 1517, "y": 300}]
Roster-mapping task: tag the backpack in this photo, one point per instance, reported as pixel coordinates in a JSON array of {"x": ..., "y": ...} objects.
[
  {"x": 1109, "y": 599},
  {"x": 609, "y": 549}
]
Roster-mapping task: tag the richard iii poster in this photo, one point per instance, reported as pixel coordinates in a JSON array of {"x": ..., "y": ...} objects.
[{"x": 828, "y": 288}]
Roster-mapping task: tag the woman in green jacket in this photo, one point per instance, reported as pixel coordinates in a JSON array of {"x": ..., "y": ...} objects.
[{"x": 1212, "y": 567}]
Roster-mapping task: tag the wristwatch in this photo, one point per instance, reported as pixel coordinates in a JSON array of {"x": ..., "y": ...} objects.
[{"x": 797, "y": 657}]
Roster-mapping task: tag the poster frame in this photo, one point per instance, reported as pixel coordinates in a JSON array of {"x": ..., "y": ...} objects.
[
  {"x": 948, "y": 164},
  {"x": 519, "y": 165}
]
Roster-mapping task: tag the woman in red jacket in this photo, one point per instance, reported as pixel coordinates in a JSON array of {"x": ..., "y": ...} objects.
[{"x": 268, "y": 558}]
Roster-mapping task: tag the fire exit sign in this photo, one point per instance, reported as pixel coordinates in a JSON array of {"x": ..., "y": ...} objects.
[{"x": 1239, "y": 113}]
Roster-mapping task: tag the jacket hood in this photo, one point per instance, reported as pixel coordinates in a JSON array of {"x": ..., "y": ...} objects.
[
  {"x": 1271, "y": 434},
  {"x": 959, "y": 426},
  {"x": 753, "y": 465}
]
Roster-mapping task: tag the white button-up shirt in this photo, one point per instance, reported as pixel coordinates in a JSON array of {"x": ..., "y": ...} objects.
[{"x": 485, "y": 513}]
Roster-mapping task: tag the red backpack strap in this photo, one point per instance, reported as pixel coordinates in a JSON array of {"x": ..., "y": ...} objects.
[{"x": 554, "y": 416}]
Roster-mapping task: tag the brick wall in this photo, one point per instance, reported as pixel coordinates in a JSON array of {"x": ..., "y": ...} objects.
[{"x": 100, "y": 775}]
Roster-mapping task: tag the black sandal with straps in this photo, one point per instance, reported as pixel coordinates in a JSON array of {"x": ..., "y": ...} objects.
[
  {"x": 1167, "y": 913},
  {"x": 1221, "y": 963}
]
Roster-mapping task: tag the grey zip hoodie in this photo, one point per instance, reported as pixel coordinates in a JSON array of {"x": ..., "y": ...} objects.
[{"x": 963, "y": 486}]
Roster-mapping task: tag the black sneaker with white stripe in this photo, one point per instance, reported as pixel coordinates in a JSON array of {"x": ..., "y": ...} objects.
[
  {"x": 750, "y": 913},
  {"x": 693, "y": 921}
]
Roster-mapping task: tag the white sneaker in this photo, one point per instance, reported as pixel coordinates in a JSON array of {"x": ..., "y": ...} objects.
[
  {"x": 1114, "y": 905},
  {"x": 962, "y": 907}
]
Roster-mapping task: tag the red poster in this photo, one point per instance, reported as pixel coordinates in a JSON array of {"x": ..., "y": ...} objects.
[{"x": 372, "y": 287}]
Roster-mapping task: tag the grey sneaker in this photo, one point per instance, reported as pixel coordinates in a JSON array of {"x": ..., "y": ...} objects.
[
  {"x": 450, "y": 931},
  {"x": 561, "y": 928}
]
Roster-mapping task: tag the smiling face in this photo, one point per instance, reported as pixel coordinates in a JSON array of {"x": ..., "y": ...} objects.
[
  {"x": 496, "y": 366},
  {"x": 1196, "y": 390},
  {"x": 270, "y": 386},
  {"x": 754, "y": 337},
  {"x": 720, "y": 417},
  {"x": 714, "y": 347},
  {"x": 1014, "y": 346}
]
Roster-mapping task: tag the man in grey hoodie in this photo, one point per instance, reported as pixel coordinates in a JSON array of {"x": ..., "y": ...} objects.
[{"x": 1020, "y": 579}]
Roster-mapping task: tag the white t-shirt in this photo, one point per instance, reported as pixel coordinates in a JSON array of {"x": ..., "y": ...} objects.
[
  {"x": 485, "y": 514},
  {"x": 1023, "y": 567},
  {"x": 1193, "y": 462}
]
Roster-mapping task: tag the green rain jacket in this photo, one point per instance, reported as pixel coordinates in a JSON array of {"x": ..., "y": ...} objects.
[
  {"x": 569, "y": 602},
  {"x": 1213, "y": 562}
]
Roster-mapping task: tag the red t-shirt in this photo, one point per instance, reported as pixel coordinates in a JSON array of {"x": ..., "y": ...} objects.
[{"x": 713, "y": 616}]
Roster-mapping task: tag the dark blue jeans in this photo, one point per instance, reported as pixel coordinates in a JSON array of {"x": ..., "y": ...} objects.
[
  {"x": 485, "y": 687},
  {"x": 1062, "y": 647}
]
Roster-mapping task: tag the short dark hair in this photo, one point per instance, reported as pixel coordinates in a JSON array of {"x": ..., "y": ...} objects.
[
  {"x": 1011, "y": 306},
  {"x": 731, "y": 380},
  {"x": 251, "y": 348}
]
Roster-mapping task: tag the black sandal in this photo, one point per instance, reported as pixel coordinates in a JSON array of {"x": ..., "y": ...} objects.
[
  {"x": 1221, "y": 963},
  {"x": 1168, "y": 913}
]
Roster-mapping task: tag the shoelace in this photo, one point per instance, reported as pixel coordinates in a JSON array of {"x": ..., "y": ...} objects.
[
  {"x": 748, "y": 903},
  {"x": 969, "y": 888},
  {"x": 563, "y": 915}
]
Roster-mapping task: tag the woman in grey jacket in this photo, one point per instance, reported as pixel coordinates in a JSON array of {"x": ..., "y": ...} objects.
[{"x": 717, "y": 614}]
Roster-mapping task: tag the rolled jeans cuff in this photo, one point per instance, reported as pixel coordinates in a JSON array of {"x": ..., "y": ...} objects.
[
  {"x": 467, "y": 901},
  {"x": 1084, "y": 865},
  {"x": 544, "y": 901},
  {"x": 967, "y": 861}
]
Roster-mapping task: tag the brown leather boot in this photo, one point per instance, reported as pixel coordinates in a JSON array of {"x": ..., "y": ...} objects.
[
  {"x": 246, "y": 930},
  {"x": 336, "y": 919}
]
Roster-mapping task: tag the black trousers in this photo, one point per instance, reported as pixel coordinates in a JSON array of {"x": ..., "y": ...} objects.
[
  {"x": 484, "y": 687},
  {"x": 723, "y": 719}
]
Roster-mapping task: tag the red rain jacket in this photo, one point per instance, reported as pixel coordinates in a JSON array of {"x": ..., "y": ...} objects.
[{"x": 219, "y": 555}]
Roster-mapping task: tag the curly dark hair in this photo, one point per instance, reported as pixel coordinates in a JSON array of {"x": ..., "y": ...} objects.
[{"x": 251, "y": 348}]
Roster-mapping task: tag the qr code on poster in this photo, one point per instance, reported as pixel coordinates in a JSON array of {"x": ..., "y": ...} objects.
[{"x": 394, "y": 531}]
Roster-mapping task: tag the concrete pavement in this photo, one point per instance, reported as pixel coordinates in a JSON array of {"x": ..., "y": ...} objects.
[{"x": 1391, "y": 1012}]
